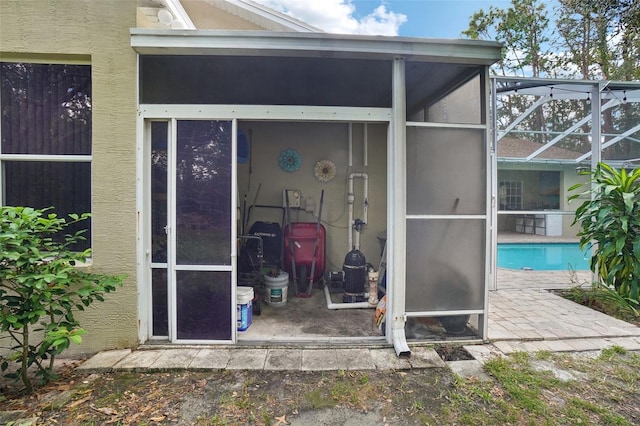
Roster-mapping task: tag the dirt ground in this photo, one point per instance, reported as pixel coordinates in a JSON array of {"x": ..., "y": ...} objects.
[
  {"x": 544, "y": 389},
  {"x": 590, "y": 388},
  {"x": 233, "y": 397}
]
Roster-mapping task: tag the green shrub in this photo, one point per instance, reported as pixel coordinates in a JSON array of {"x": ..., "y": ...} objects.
[
  {"x": 41, "y": 287},
  {"x": 610, "y": 220}
]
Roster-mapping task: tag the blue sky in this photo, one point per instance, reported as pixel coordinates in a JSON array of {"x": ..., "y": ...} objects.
[
  {"x": 409, "y": 18},
  {"x": 431, "y": 18}
]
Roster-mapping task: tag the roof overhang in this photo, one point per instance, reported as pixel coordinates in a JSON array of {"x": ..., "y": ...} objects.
[
  {"x": 263, "y": 15},
  {"x": 520, "y": 160},
  {"x": 264, "y": 43}
]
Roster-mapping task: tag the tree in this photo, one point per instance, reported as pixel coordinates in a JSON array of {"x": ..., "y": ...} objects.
[
  {"x": 523, "y": 29},
  {"x": 595, "y": 39},
  {"x": 629, "y": 45}
]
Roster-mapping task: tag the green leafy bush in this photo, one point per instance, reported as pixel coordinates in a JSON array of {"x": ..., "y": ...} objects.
[
  {"x": 41, "y": 287},
  {"x": 610, "y": 220}
]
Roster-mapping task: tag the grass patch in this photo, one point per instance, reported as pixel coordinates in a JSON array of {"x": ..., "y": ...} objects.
[
  {"x": 319, "y": 399},
  {"x": 606, "y": 392},
  {"x": 603, "y": 300}
]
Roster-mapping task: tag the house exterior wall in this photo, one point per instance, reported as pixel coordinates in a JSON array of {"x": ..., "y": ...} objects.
[
  {"x": 94, "y": 32},
  {"x": 568, "y": 178},
  {"x": 202, "y": 17}
]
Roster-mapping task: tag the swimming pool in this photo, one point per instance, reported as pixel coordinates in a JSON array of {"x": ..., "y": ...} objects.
[{"x": 543, "y": 256}]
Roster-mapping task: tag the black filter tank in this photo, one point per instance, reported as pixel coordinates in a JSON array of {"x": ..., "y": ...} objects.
[{"x": 355, "y": 272}]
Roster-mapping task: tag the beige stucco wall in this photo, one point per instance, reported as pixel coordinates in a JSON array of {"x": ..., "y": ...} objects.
[
  {"x": 203, "y": 17},
  {"x": 316, "y": 141},
  {"x": 97, "y": 31}
]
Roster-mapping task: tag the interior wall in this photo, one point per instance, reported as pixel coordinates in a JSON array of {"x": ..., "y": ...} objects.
[{"x": 262, "y": 174}]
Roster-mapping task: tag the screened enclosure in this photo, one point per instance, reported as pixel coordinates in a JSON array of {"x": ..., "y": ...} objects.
[
  {"x": 447, "y": 205},
  {"x": 422, "y": 106},
  {"x": 549, "y": 135}
]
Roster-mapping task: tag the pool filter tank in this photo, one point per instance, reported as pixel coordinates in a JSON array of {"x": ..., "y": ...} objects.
[{"x": 355, "y": 276}]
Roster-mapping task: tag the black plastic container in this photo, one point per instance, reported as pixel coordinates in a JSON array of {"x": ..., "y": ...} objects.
[{"x": 355, "y": 272}]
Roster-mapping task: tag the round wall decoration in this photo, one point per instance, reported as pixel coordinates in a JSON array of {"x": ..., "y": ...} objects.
[
  {"x": 290, "y": 160},
  {"x": 324, "y": 170}
]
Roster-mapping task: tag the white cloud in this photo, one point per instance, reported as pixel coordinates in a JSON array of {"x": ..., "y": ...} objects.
[{"x": 339, "y": 16}]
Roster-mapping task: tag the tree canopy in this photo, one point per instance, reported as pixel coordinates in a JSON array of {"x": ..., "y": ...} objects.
[{"x": 587, "y": 39}]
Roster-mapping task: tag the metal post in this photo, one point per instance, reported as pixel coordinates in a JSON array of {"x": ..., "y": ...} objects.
[{"x": 397, "y": 211}]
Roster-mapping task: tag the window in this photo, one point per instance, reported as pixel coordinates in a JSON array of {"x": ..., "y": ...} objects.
[
  {"x": 45, "y": 138},
  {"x": 510, "y": 195}
]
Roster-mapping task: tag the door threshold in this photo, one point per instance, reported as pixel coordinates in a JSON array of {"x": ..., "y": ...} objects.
[{"x": 282, "y": 343}]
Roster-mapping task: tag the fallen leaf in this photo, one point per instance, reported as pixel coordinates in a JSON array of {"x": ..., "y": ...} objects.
[
  {"x": 78, "y": 402},
  {"x": 157, "y": 419},
  {"x": 282, "y": 420},
  {"x": 104, "y": 410},
  {"x": 497, "y": 391}
]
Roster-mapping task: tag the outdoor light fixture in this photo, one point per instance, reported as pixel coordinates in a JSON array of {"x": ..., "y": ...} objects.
[
  {"x": 165, "y": 17},
  {"x": 172, "y": 15},
  {"x": 581, "y": 168}
]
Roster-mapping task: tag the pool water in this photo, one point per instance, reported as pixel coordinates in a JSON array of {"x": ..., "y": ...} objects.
[{"x": 543, "y": 256}]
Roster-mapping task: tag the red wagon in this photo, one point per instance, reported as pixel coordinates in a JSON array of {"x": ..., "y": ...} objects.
[{"x": 304, "y": 252}]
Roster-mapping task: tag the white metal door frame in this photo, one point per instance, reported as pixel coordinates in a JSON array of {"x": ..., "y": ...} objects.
[{"x": 233, "y": 113}]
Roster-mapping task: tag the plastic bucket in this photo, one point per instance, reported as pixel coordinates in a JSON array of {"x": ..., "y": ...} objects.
[
  {"x": 244, "y": 296},
  {"x": 276, "y": 294}
]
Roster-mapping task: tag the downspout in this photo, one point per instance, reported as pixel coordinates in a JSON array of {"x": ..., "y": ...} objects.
[
  {"x": 350, "y": 197},
  {"x": 396, "y": 211}
]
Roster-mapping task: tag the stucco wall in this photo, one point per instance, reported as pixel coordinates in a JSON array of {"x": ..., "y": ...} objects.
[
  {"x": 97, "y": 31},
  {"x": 203, "y": 17}
]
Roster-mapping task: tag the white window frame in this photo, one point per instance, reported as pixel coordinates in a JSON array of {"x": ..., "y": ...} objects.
[{"x": 4, "y": 158}]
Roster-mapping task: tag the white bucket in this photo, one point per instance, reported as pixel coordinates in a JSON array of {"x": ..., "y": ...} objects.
[
  {"x": 276, "y": 294},
  {"x": 244, "y": 296}
]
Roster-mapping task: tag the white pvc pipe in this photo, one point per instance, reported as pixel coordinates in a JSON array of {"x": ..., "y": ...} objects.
[
  {"x": 350, "y": 201},
  {"x": 356, "y": 305},
  {"x": 365, "y": 199}
]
